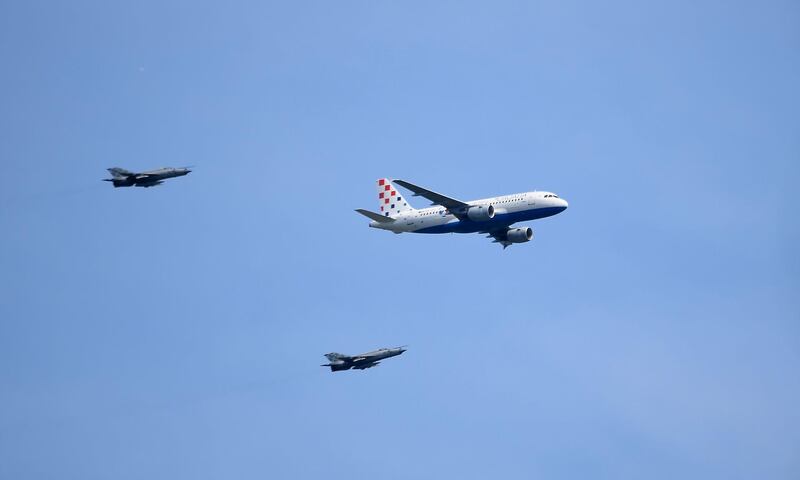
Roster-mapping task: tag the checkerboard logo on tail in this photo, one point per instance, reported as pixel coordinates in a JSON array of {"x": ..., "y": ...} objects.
[{"x": 390, "y": 202}]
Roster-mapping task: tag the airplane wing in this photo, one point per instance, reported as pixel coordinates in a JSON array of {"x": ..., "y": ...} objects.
[
  {"x": 147, "y": 180},
  {"x": 364, "y": 366},
  {"x": 437, "y": 198}
]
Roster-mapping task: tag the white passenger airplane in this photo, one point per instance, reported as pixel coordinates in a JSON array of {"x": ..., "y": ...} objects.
[{"x": 493, "y": 216}]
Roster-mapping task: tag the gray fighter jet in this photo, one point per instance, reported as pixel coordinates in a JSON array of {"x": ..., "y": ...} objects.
[
  {"x": 360, "y": 362},
  {"x": 124, "y": 178}
]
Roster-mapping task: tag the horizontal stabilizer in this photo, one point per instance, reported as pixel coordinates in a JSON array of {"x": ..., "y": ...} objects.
[{"x": 375, "y": 216}]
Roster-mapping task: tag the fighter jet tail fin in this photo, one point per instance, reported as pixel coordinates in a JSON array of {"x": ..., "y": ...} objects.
[
  {"x": 117, "y": 172},
  {"x": 390, "y": 201}
]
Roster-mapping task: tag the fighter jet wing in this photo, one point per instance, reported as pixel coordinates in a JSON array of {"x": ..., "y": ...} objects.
[
  {"x": 437, "y": 198},
  {"x": 147, "y": 180},
  {"x": 364, "y": 366},
  {"x": 154, "y": 183}
]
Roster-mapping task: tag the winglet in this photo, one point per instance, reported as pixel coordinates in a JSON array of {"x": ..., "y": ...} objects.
[{"x": 375, "y": 216}]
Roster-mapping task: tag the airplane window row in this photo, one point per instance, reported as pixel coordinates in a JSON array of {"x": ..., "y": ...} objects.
[{"x": 429, "y": 213}]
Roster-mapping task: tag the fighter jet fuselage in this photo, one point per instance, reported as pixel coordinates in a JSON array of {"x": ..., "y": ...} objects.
[
  {"x": 363, "y": 361},
  {"x": 124, "y": 178}
]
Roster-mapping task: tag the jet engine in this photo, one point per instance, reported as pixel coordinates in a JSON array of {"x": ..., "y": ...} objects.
[
  {"x": 480, "y": 213},
  {"x": 519, "y": 235}
]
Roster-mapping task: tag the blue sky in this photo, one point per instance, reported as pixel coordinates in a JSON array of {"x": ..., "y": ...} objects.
[{"x": 650, "y": 331}]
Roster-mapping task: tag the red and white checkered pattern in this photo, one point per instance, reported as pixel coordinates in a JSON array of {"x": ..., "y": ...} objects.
[{"x": 390, "y": 200}]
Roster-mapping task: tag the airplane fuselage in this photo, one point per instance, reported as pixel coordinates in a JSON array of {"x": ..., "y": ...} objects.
[
  {"x": 152, "y": 178},
  {"x": 339, "y": 362},
  {"x": 508, "y": 209},
  {"x": 381, "y": 354}
]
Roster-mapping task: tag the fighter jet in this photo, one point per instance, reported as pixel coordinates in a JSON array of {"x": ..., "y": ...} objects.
[
  {"x": 360, "y": 362},
  {"x": 124, "y": 178}
]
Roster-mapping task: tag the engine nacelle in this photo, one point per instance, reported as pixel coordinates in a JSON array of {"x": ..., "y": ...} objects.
[
  {"x": 519, "y": 235},
  {"x": 480, "y": 213}
]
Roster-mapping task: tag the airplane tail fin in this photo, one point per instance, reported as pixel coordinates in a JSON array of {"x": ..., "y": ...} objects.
[
  {"x": 117, "y": 172},
  {"x": 337, "y": 361},
  {"x": 333, "y": 356},
  {"x": 389, "y": 199}
]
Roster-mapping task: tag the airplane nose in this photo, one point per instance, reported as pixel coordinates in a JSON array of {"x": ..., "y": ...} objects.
[{"x": 564, "y": 203}]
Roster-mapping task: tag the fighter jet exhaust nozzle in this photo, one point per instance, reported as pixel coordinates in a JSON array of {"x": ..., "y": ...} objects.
[
  {"x": 480, "y": 213},
  {"x": 519, "y": 235}
]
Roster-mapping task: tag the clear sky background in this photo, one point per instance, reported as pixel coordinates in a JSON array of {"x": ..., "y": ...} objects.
[{"x": 650, "y": 331}]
